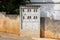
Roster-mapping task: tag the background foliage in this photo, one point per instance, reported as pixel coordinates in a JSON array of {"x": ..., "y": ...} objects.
[{"x": 10, "y": 6}]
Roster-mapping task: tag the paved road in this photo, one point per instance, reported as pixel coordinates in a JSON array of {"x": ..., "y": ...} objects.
[
  {"x": 24, "y": 38},
  {"x": 44, "y": 39},
  {"x": 10, "y": 37},
  {"x": 14, "y": 38}
]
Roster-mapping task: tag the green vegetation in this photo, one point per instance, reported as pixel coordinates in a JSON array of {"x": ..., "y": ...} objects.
[{"x": 11, "y": 6}]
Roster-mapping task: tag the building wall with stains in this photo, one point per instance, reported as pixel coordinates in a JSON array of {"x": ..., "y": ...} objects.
[{"x": 52, "y": 28}]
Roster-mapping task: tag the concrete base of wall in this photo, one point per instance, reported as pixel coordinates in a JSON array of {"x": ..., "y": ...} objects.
[{"x": 32, "y": 34}]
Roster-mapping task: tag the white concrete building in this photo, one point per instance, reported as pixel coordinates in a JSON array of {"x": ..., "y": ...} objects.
[
  {"x": 30, "y": 19},
  {"x": 51, "y": 10},
  {"x": 30, "y": 14}
]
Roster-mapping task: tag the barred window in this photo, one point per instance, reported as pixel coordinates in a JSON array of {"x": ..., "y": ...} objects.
[
  {"x": 35, "y": 10},
  {"x": 35, "y": 17},
  {"x": 29, "y": 17},
  {"x": 23, "y": 17},
  {"x": 29, "y": 10},
  {"x": 23, "y": 10}
]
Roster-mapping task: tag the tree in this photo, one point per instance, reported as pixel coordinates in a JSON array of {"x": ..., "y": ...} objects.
[{"x": 11, "y": 6}]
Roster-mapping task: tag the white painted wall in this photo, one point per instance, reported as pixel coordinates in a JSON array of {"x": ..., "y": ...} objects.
[
  {"x": 45, "y": 0},
  {"x": 49, "y": 10},
  {"x": 30, "y": 24}
]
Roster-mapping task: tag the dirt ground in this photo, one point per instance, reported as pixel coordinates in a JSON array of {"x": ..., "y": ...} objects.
[
  {"x": 6, "y": 36},
  {"x": 24, "y": 38}
]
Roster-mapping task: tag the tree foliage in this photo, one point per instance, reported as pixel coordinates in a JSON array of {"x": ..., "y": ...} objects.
[{"x": 10, "y": 6}]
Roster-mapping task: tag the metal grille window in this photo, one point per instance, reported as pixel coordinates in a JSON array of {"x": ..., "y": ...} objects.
[
  {"x": 29, "y": 17},
  {"x": 29, "y": 10},
  {"x": 23, "y": 10},
  {"x": 23, "y": 17},
  {"x": 35, "y": 10},
  {"x": 35, "y": 17}
]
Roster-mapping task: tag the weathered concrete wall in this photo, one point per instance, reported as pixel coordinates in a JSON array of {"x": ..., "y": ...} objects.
[
  {"x": 9, "y": 25},
  {"x": 13, "y": 25},
  {"x": 49, "y": 28},
  {"x": 52, "y": 28}
]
